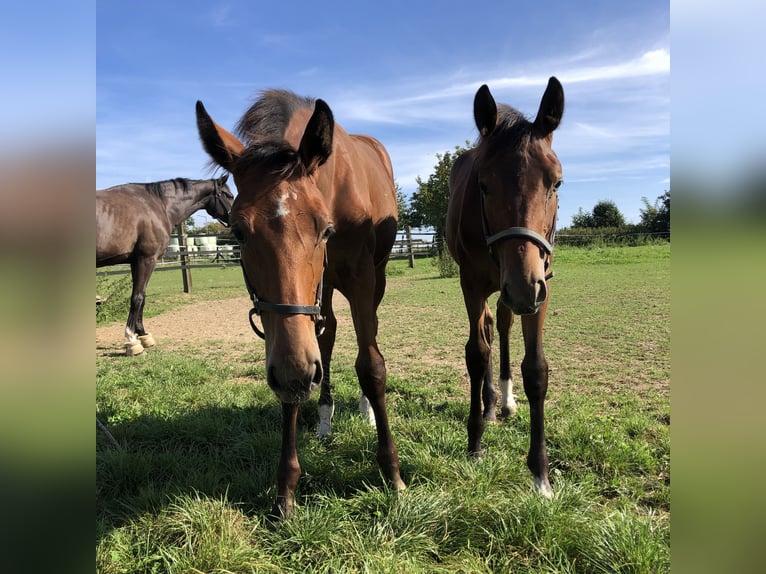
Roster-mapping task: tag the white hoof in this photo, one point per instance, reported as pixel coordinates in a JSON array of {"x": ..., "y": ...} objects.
[
  {"x": 133, "y": 348},
  {"x": 365, "y": 409},
  {"x": 544, "y": 488},
  {"x": 147, "y": 340},
  {"x": 325, "y": 420}
]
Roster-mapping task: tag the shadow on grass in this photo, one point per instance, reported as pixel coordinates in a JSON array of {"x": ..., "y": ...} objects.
[{"x": 229, "y": 452}]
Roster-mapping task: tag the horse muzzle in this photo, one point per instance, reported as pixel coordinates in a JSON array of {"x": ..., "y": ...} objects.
[
  {"x": 293, "y": 381},
  {"x": 524, "y": 297}
]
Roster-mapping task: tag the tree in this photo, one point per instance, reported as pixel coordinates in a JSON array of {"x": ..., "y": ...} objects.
[
  {"x": 656, "y": 218},
  {"x": 604, "y": 214},
  {"x": 429, "y": 202},
  {"x": 405, "y": 216}
]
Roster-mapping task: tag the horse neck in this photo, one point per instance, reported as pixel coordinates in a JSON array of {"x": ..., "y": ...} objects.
[{"x": 180, "y": 204}]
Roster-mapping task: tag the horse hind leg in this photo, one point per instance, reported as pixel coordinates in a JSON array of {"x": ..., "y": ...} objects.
[
  {"x": 508, "y": 405},
  {"x": 488, "y": 391},
  {"x": 326, "y": 405},
  {"x": 141, "y": 270}
]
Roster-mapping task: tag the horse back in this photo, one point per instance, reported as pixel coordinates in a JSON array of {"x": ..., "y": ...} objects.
[{"x": 129, "y": 223}]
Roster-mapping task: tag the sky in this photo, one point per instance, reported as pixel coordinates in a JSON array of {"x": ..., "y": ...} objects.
[{"x": 403, "y": 72}]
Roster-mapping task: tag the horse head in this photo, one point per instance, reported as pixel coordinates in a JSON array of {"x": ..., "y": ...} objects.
[
  {"x": 220, "y": 200},
  {"x": 282, "y": 223},
  {"x": 518, "y": 178}
]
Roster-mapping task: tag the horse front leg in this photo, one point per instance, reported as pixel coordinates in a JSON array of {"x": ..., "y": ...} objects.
[
  {"x": 477, "y": 360},
  {"x": 289, "y": 468},
  {"x": 505, "y": 381},
  {"x": 534, "y": 370},
  {"x": 326, "y": 405}
]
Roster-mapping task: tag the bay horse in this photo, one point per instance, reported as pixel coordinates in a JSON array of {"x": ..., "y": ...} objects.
[
  {"x": 500, "y": 229},
  {"x": 316, "y": 211},
  {"x": 133, "y": 225}
]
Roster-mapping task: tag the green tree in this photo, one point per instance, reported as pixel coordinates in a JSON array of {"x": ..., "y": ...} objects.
[
  {"x": 429, "y": 202},
  {"x": 604, "y": 214},
  {"x": 405, "y": 216},
  {"x": 656, "y": 218}
]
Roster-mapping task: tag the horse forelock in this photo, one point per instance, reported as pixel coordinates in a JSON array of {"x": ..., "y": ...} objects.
[
  {"x": 512, "y": 130},
  {"x": 269, "y": 116}
]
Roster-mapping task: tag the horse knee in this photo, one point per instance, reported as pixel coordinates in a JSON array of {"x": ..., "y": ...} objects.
[{"x": 535, "y": 375}]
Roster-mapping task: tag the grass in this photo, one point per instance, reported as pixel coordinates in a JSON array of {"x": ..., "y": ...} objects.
[{"x": 190, "y": 490}]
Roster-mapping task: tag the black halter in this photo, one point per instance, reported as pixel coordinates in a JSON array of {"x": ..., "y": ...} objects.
[
  {"x": 218, "y": 199},
  {"x": 315, "y": 311},
  {"x": 545, "y": 243}
]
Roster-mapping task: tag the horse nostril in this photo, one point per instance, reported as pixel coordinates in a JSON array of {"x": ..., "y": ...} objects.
[
  {"x": 318, "y": 373},
  {"x": 541, "y": 292}
]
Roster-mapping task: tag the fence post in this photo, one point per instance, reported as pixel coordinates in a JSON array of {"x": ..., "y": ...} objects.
[
  {"x": 184, "y": 255},
  {"x": 409, "y": 247}
]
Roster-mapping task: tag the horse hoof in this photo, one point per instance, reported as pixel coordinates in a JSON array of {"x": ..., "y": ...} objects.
[
  {"x": 544, "y": 488},
  {"x": 133, "y": 348},
  {"x": 147, "y": 340}
]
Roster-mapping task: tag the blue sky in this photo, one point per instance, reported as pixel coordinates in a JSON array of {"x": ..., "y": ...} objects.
[{"x": 404, "y": 72}]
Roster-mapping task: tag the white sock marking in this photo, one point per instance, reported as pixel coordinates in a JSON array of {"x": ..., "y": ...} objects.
[
  {"x": 325, "y": 420},
  {"x": 507, "y": 401},
  {"x": 365, "y": 409}
]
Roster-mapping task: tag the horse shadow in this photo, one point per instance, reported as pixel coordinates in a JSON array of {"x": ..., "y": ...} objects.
[{"x": 221, "y": 452}]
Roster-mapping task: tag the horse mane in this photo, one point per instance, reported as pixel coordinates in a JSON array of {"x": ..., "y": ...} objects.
[
  {"x": 160, "y": 188},
  {"x": 263, "y": 127}
]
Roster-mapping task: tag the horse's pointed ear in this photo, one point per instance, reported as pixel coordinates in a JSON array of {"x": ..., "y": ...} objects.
[
  {"x": 224, "y": 178},
  {"x": 220, "y": 145},
  {"x": 484, "y": 111},
  {"x": 316, "y": 144},
  {"x": 551, "y": 108}
]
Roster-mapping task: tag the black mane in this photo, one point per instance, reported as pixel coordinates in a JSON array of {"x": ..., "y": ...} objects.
[{"x": 160, "y": 188}]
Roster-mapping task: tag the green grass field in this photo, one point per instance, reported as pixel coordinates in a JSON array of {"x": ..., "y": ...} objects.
[{"x": 201, "y": 432}]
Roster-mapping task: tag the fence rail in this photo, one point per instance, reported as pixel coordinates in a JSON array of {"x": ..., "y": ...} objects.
[{"x": 222, "y": 250}]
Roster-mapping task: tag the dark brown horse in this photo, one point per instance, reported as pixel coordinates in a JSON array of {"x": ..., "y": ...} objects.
[
  {"x": 500, "y": 227},
  {"x": 133, "y": 225},
  {"x": 316, "y": 211}
]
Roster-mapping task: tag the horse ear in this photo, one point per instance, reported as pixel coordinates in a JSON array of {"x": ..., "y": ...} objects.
[
  {"x": 316, "y": 144},
  {"x": 551, "y": 108},
  {"x": 220, "y": 145},
  {"x": 484, "y": 111},
  {"x": 224, "y": 178}
]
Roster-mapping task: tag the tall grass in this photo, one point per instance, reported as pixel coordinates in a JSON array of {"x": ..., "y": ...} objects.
[{"x": 201, "y": 434}]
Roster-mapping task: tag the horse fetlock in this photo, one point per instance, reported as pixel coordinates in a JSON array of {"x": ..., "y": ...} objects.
[{"x": 133, "y": 348}]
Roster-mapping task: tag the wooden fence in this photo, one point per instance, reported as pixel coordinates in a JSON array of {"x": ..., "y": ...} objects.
[{"x": 222, "y": 250}]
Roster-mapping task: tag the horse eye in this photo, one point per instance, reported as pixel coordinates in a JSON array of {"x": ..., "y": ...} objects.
[
  {"x": 558, "y": 184},
  {"x": 328, "y": 232},
  {"x": 238, "y": 233},
  {"x": 483, "y": 187}
]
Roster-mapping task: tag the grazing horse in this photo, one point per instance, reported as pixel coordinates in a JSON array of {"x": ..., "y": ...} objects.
[
  {"x": 316, "y": 211},
  {"x": 500, "y": 228},
  {"x": 133, "y": 225}
]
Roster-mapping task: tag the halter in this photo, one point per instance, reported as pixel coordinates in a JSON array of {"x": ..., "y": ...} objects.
[
  {"x": 315, "y": 311},
  {"x": 546, "y": 244},
  {"x": 217, "y": 196}
]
